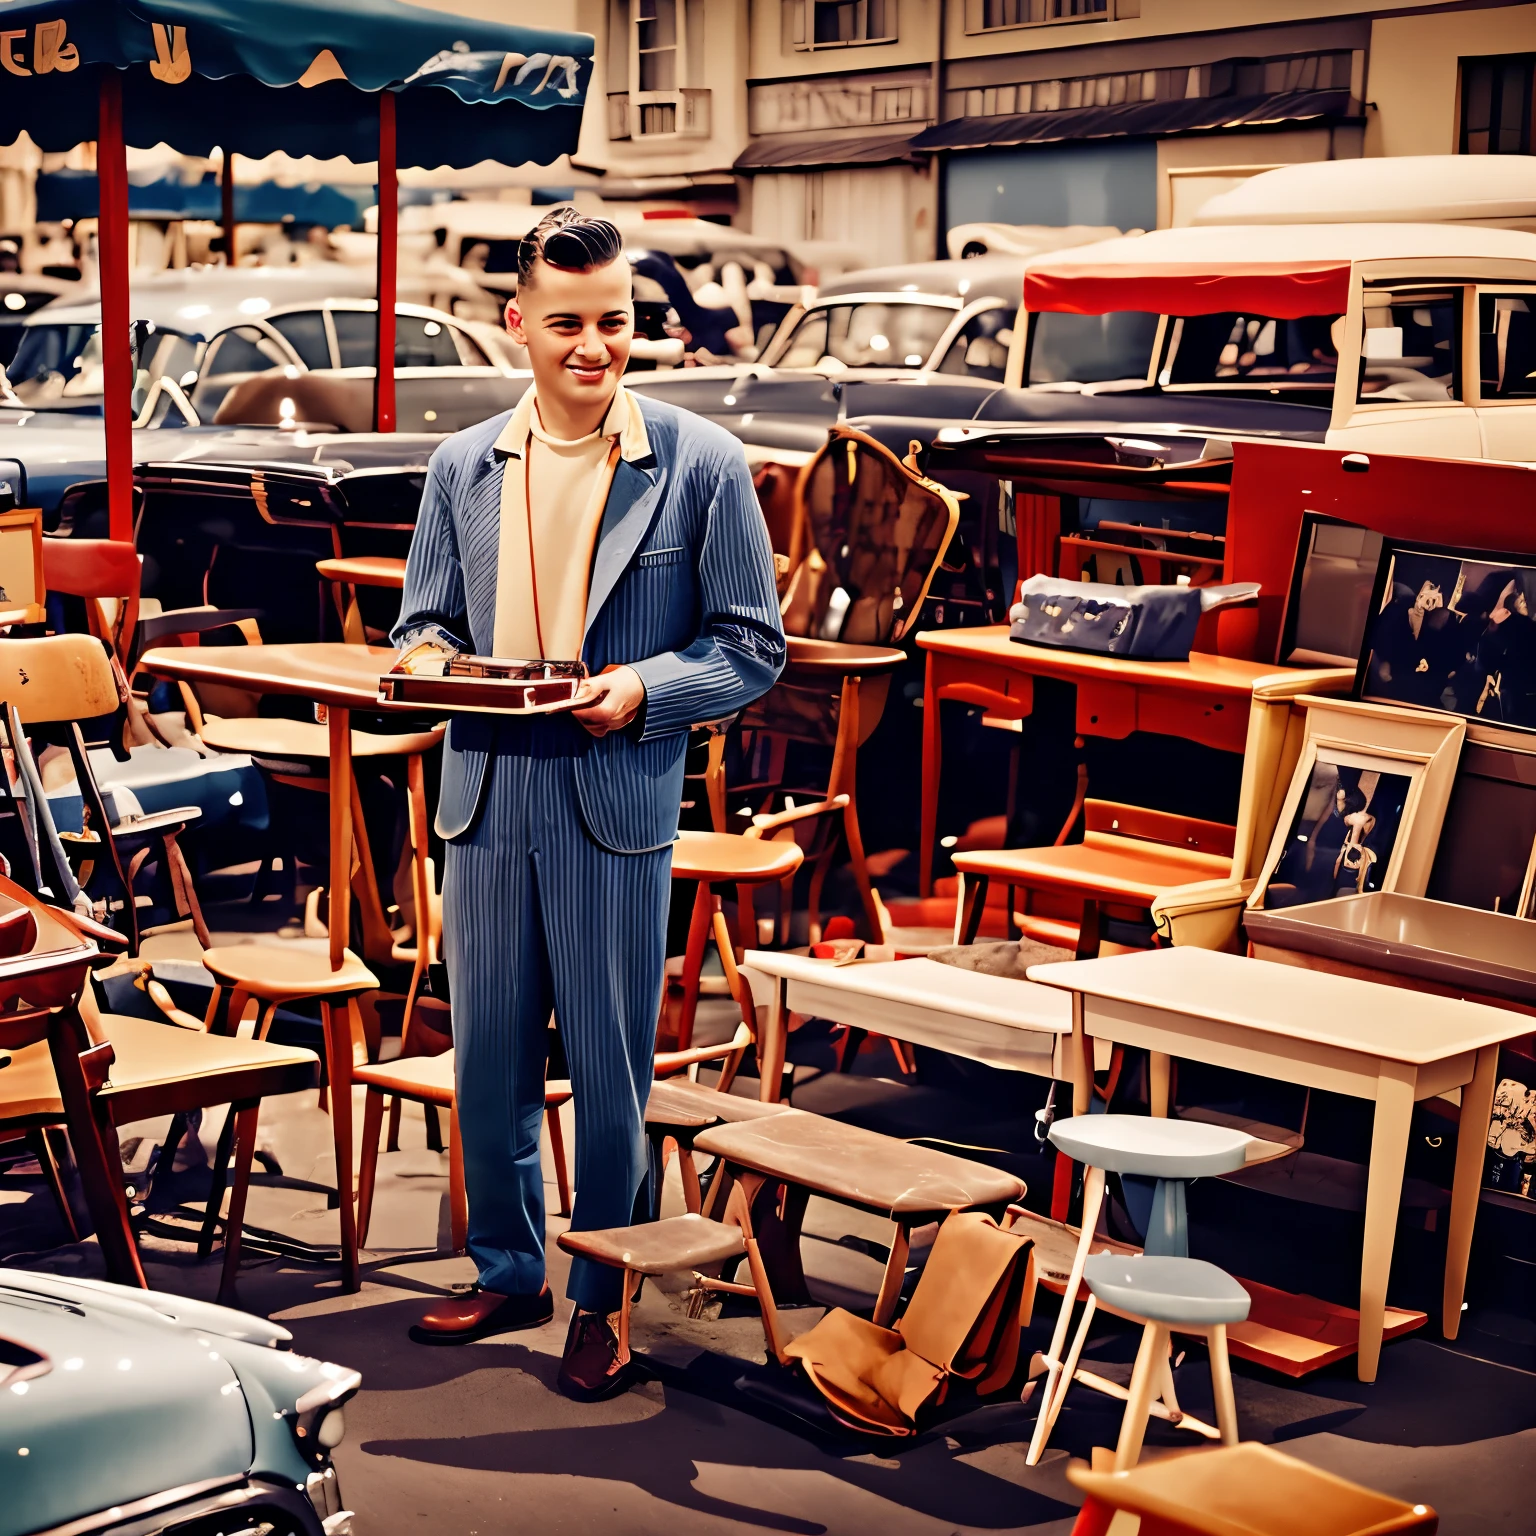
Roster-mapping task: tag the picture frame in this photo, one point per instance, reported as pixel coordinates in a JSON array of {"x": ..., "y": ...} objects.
[
  {"x": 1332, "y": 583},
  {"x": 1453, "y": 630},
  {"x": 1487, "y": 852},
  {"x": 1401, "y": 763},
  {"x": 23, "y": 592}
]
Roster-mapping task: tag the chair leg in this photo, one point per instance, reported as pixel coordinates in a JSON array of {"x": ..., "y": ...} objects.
[
  {"x": 1050, "y": 1410},
  {"x": 245, "y": 1118},
  {"x": 42, "y": 1150},
  {"x": 338, "y": 1051},
  {"x": 621, "y": 1355},
  {"x": 688, "y": 1172},
  {"x": 392, "y": 1136},
  {"x": 557, "y": 1152},
  {"x": 434, "y": 1125},
  {"x": 215, "y": 1204},
  {"x": 368, "y": 1161},
  {"x": 184, "y": 890},
  {"x": 975, "y": 906},
  {"x": 891, "y": 1280},
  {"x": 458, "y": 1201},
  {"x": 1221, "y": 1384},
  {"x": 1146, "y": 1375},
  {"x": 693, "y": 962}
]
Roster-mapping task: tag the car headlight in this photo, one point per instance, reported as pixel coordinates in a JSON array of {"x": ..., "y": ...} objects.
[{"x": 317, "y": 1420}]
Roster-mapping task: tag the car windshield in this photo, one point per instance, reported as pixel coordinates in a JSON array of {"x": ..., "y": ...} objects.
[
  {"x": 1090, "y": 349},
  {"x": 872, "y": 333},
  {"x": 1233, "y": 349}
]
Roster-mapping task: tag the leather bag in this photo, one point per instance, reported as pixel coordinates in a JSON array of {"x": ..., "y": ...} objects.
[{"x": 963, "y": 1323}]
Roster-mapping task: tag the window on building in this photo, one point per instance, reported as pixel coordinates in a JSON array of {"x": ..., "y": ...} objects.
[
  {"x": 892, "y": 104},
  {"x": 656, "y": 44},
  {"x": 989, "y": 15},
  {"x": 1496, "y": 105},
  {"x": 838, "y": 23}
]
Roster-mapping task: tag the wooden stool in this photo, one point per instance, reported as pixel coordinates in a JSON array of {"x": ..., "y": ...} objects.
[
  {"x": 712, "y": 858},
  {"x": 678, "y": 1109},
  {"x": 345, "y": 574},
  {"x": 276, "y": 975}
]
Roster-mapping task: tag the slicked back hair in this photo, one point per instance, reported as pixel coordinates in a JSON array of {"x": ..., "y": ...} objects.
[{"x": 568, "y": 239}]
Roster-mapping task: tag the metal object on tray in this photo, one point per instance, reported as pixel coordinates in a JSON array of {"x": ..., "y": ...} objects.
[{"x": 488, "y": 685}]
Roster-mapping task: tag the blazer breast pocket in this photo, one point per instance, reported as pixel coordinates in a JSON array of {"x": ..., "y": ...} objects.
[{"x": 653, "y": 557}]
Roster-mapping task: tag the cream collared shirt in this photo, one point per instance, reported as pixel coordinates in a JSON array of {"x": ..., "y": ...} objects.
[{"x": 569, "y": 483}]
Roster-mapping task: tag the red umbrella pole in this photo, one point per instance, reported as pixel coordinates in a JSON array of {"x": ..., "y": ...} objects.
[
  {"x": 116, "y": 319},
  {"x": 389, "y": 232},
  {"x": 227, "y": 206}
]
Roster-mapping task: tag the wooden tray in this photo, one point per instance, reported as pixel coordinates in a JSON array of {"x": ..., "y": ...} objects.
[{"x": 489, "y": 685}]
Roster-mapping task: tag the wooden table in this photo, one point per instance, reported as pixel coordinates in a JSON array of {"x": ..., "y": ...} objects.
[
  {"x": 343, "y": 678},
  {"x": 1012, "y": 1024},
  {"x": 1203, "y": 699},
  {"x": 1386, "y": 1044}
]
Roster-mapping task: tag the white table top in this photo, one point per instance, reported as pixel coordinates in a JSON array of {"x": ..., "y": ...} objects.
[
  {"x": 1392, "y": 1023},
  {"x": 943, "y": 989}
]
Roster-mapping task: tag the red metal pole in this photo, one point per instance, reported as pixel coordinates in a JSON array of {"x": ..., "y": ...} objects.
[
  {"x": 227, "y": 206},
  {"x": 116, "y": 318},
  {"x": 389, "y": 232}
]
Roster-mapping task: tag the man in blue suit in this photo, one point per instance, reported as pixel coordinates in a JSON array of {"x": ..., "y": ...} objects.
[{"x": 590, "y": 523}]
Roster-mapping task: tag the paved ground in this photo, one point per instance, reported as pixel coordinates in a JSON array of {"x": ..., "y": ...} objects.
[{"x": 476, "y": 1440}]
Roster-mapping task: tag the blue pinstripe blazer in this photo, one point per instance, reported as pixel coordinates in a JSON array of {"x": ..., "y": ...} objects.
[{"x": 682, "y": 589}]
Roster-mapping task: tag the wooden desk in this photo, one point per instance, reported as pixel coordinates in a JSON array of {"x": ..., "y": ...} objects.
[
  {"x": 1204, "y": 699},
  {"x": 343, "y": 678},
  {"x": 1385, "y": 1044},
  {"x": 1015, "y": 1025}
]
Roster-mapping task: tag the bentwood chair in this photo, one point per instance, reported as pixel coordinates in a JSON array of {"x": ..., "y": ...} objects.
[
  {"x": 875, "y": 529},
  {"x": 345, "y": 574}
]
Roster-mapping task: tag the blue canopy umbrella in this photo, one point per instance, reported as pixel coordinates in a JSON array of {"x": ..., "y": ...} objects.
[
  {"x": 75, "y": 195},
  {"x": 368, "y": 79}
]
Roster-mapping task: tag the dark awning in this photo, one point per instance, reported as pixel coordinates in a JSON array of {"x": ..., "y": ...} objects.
[
  {"x": 787, "y": 151},
  {"x": 1137, "y": 119}
]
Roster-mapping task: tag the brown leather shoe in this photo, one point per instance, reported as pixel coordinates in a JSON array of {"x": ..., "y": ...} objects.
[
  {"x": 591, "y": 1369},
  {"x": 478, "y": 1314}
]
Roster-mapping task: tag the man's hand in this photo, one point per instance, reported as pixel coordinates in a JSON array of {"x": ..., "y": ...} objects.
[{"x": 610, "y": 700}]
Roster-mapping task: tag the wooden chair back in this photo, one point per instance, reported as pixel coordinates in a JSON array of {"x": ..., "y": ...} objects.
[
  {"x": 106, "y": 574},
  {"x": 58, "y": 678}
]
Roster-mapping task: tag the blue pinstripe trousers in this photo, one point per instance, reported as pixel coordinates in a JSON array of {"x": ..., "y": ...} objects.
[{"x": 537, "y": 916}]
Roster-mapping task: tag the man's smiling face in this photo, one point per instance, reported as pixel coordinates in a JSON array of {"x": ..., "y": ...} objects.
[{"x": 577, "y": 327}]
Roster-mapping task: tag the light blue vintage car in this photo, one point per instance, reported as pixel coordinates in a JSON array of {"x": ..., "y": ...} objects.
[{"x": 124, "y": 1412}]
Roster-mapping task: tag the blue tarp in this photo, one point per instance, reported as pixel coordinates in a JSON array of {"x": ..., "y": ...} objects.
[
  {"x": 254, "y": 76},
  {"x": 74, "y": 195}
]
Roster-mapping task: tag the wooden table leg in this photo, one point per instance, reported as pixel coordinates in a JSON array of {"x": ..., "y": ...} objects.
[
  {"x": 1471, "y": 1138},
  {"x": 1158, "y": 1066},
  {"x": 1383, "y": 1196},
  {"x": 773, "y": 1044},
  {"x": 933, "y": 751},
  {"x": 340, "y": 908},
  {"x": 1082, "y": 1059}
]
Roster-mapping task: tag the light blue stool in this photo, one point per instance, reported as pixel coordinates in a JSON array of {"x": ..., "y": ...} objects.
[
  {"x": 1167, "y": 1151},
  {"x": 1165, "y": 1294}
]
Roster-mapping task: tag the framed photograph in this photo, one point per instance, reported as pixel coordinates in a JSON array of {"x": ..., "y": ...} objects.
[
  {"x": 1453, "y": 630},
  {"x": 1330, "y": 596},
  {"x": 21, "y": 562},
  {"x": 1364, "y": 805},
  {"x": 1487, "y": 854}
]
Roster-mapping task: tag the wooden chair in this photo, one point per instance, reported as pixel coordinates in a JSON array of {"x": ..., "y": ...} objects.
[
  {"x": 345, "y": 574},
  {"x": 52, "y": 684},
  {"x": 876, "y": 529},
  {"x": 70, "y": 1064}
]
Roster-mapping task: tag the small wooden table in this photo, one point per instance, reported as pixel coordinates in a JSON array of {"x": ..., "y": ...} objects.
[
  {"x": 1012, "y": 1024},
  {"x": 1203, "y": 699},
  {"x": 1386, "y": 1044},
  {"x": 340, "y": 676}
]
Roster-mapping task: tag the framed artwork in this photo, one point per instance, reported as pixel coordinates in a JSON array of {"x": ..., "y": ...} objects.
[
  {"x": 1330, "y": 597},
  {"x": 1453, "y": 630},
  {"x": 21, "y": 563},
  {"x": 1365, "y": 804},
  {"x": 1487, "y": 853}
]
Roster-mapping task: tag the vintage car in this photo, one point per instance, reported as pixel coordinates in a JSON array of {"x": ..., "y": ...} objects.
[{"x": 130, "y": 1411}]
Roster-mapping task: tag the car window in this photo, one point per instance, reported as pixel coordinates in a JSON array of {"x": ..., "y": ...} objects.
[
  {"x": 242, "y": 350},
  {"x": 1409, "y": 346},
  {"x": 1506, "y": 337},
  {"x": 424, "y": 343},
  {"x": 304, "y": 331},
  {"x": 1090, "y": 349},
  {"x": 1229, "y": 349},
  {"x": 51, "y": 359},
  {"x": 471, "y": 354},
  {"x": 980, "y": 350},
  {"x": 874, "y": 334},
  {"x": 356, "y": 337}
]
